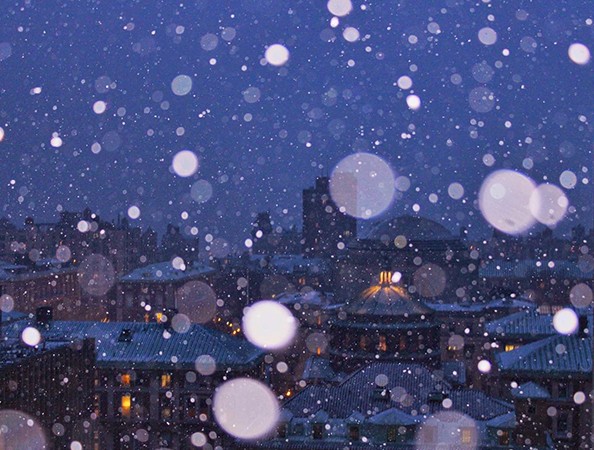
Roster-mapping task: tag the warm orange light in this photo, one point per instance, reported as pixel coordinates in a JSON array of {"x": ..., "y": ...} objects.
[
  {"x": 126, "y": 404},
  {"x": 385, "y": 277},
  {"x": 125, "y": 379},
  {"x": 165, "y": 380},
  {"x": 288, "y": 393}
]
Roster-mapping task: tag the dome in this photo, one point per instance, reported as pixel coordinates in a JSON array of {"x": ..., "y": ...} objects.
[
  {"x": 412, "y": 228},
  {"x": 386, "y": 299}
]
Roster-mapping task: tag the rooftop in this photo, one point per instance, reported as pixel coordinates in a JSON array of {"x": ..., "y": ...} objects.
[
  {"x": 408, "y": 387},
  {"x": 530, "y": 390},
  {"x": 386, "y": 298},
  {"x": 164, "y": 272},
  {"x": 530, "y": 267},
  {"x": 150, "y": 345},
  {"x": 561, "y": 355},
  {"x": 412, "y": 228}
]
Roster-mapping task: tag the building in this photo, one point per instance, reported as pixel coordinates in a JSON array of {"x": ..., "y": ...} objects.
[
  {"x": 150, "y": 290},
  {"x": 175, "y": 243},
  {"x": 433, "y": 262},
  {"x": 548, "y": 282},
  {"x": 392, "y": 405},
  {"x": 52, "y": 383},
  {"x": 326, "y": 229},
  {"x": 152, "y": 385},
  {"x": 547, "y": 375},
  {"x": 384, "y": 322},
  {"x": 466, "y": 334},
  {"x": 47, "y": 283}
]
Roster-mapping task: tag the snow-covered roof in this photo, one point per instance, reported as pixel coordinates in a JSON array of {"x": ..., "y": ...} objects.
[
  {"x": 164, "y": 272},
  {"x": 558, "y": 354},
  {"x": 530, "y": 390},
  {"x": 527, "y": 268},
  {"x": 149, "y": 345}
]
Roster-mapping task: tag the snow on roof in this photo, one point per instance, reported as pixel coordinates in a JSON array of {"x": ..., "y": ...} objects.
[
  {"x": 531, "y": 267},
  {"x": 150, "y": 345},
  {"x": 164, "y": 272},
  {"x": 558, "y": 354},
  {"x": 357, "y": 393},
  {"x": 530, "y": 390}
]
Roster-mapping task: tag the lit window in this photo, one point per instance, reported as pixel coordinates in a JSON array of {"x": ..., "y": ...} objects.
[
  {"x": 466, "y": 435},
  {"x": 510, "y": 347},
  {"x": 165, "y": 380},
  {"x": 125, "y": 379},
  {"x": 126, "y": 405}
]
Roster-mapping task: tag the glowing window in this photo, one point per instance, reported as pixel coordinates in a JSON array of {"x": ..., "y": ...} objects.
[
  {"x": 126, "y": 405},
  {"x": 165, "y": 380},
  {"x": 125, "y": 379},
  {"x": 466, "y": 435}
]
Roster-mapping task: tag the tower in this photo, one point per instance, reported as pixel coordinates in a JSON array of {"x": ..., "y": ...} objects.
[{"x": 324, "y": 225}]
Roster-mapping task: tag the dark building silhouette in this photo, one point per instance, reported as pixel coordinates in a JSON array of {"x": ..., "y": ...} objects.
[
  {"x": 324, "y": 225},
  {"x": 174, "y": 243},
  {"x": 52, "y": 383},
  {"x": 433, "y": 262}
]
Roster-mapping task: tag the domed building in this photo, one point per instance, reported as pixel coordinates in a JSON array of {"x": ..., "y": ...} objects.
[
  {"x": 412, "y": 228},
  {"x": 434, "y": 263},
  {"x": 385, "y": 322}
]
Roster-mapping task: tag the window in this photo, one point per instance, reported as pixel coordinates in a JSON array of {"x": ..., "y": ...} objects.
[
  {"x": 318, "y": 431},
  {"x": 363, "y": 342},
  {"x": 503, "y": 437},
  {"x": 298, "y": 429},
  {"x": 382, "y": 346},
  {"x": 126, "y": 405},
  {"x": 354, "y": 432},
  {"x": 563, "y": 424},
  {"x": 125, "y": 380},
  {"x": 166, "y": 380},
  {"x": 510, "y": 347},
  {"x": 166, "y": 406},
  {"x": 563, "y": 391},
  {"x": 392, "y": 434},
  {"x": 466, "y": 435}
]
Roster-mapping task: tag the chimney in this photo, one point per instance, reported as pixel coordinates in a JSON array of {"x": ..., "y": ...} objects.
[{"x": 44, "y": 315}]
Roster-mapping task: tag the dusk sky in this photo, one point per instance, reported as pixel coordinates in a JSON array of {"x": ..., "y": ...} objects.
[{"x": 509, "y": 98}]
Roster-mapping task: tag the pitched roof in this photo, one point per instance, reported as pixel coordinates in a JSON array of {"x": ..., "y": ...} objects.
[
  {"x": 318, "y": 368},
  {"x": 393, "y": 416},
  {"x": 412, "y": 228},
  {"x": 530, "y": 267},
  {"x": 497, "y": 304},
  {"x": 505, "y": 421},
  {"x": 557, "y": 354},
  {"x": 409, "y": 387},
  {"x": 386, "y": 300},
  {"x": 523, "y": 324},
  {"x": 151, "y": 346},
  {"x": 530, "y": 390},
  {"x": 164, "y": 272}
]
